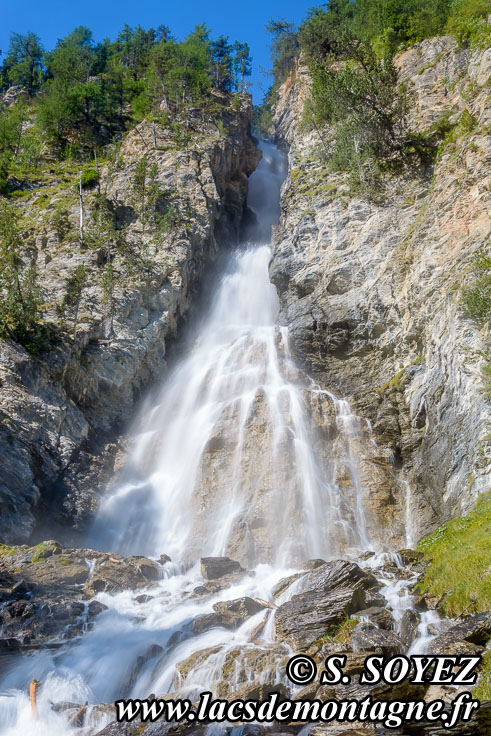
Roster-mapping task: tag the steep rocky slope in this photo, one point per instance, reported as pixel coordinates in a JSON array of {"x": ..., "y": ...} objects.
[
  {"x": 371, "y": 291},
  {"x": 59, "y": 410}
]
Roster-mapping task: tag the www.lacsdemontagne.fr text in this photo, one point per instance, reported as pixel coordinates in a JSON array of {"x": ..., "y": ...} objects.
[{"x": 391, "y": 714}]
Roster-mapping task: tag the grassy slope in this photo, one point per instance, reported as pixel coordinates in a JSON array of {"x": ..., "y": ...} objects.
[{"x": 459, "y": 555}]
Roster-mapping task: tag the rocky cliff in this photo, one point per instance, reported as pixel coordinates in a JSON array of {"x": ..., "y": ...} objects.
[
  {"x": 61, "y": 412},
  {"x": 372, "y": 291}
]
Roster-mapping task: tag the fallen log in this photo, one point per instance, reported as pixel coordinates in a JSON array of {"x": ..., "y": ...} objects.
[
  {"x": 33, "y": 688},
  {"x": 258, "y": 629},
  {"x": 77, "y": 718}
]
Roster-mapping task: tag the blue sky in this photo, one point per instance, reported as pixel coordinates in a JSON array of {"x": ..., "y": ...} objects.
[{"x": 242, "y": 21}]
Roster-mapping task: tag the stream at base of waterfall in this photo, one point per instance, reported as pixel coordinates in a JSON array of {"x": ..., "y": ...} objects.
[{"x": 239, "y": 455}]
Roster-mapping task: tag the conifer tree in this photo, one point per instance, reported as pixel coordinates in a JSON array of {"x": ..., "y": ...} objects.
[
  {"x": 73, "y": 294},
  {"x": 23, "y": 63},
  {"x": 242, "y": 65}
]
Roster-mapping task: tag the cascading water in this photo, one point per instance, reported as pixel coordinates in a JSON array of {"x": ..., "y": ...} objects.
[{"x": 228, "y": 461}]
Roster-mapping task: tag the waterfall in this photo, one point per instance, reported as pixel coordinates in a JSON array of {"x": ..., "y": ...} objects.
[
  {"x": 240, "y": 454},
  {"x": 226, "y": 462}
]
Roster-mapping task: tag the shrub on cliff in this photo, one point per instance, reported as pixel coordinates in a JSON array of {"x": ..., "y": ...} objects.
[
  {"x": 20, "y": 296},
  {"x": 11, "y": 121},
  {"x": 389, "y": 25},
  {"x": 476, "y": 297},
  {"x": 358, "y": 95},
  {"x": 284, "y": 48},
  {"x": 89, "y": 178},
  {"x": 468, "y": 22}
]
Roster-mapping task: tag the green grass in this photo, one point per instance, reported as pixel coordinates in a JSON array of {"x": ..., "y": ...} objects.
[
  {"x": 483, "y": 689},
  {"x": 460, "y": 561},
  {"x": 42, "y": 551},
  {"x": 340, "y": 634},
  {"x": 396, "y": 381},
  {"x": 5, "y": 550}
]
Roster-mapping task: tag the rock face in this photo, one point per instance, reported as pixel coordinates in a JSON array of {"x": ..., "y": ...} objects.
[
  {"x": 371, "y": 291},
  {"x": 306, "y": 617},
  {"x": 213, "y": 568},
  {"x": 58, "y": 411},
  {"x": 228, "y": 614},
  {"x": 474, "y": 630},
  {"x": 330, "y": 594},
  {"x": 369, "y": 638}
]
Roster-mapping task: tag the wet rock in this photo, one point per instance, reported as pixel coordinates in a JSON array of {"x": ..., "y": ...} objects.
[
  {"x": 366, "y": 638},
  {"x": 95, "y": 608},
  {"x": 404, "y": 690},
  {"x": 266, "y": 664},
  {"x": 144, "y": 598},
  {"x": 408, "y": 626},
  {"x": 213, "y": 568},
  {"x": 9, "y": 644},
  {"x": 280, "y": 587},
  {"x": 355, "y": 661},
  {"x": 309, "y": 615},
  {"x": 375, "y": 600},
  {"x": 366, "y": 555},
  {"x": 64, "y": 705},
  {"x": 378, "y": 616},
  {"x": 121, "y": 729},
  {"x": 228, "y": 614},
  {"x": 474, "y": 630},
  {"x": 340, "y": 729},
  {"x": 410, "y": 556},
  {"x": 260, "y": 692},
  {"x": 306, "y": 693},
  {"x": 340, "y": 574},
  {"x": 479, "y": 725},
  {"x": 7, "y": 582},
  {"x": 194, "y": 660},
  {"x": 151, "y": 652},
  {"x": 49, "y": 600},
  {"x": 113, "y": 574},
  {"x": 148, "y": 568},
  {"x": 20, "y": 589}
]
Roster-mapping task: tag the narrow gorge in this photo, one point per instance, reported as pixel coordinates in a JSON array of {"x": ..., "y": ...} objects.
[{"x": 249, "y": 446}]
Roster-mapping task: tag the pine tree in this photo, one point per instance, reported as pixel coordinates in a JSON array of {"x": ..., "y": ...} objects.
[
  {"x": 102, "y": 235},
  {"x": 11, "y": 122},
  {"x": 242, "y": 65},
  {"x": 73, "y": 294},
  {"x": 221, "y": 59},
  {"x": 23, "y": 63}
]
